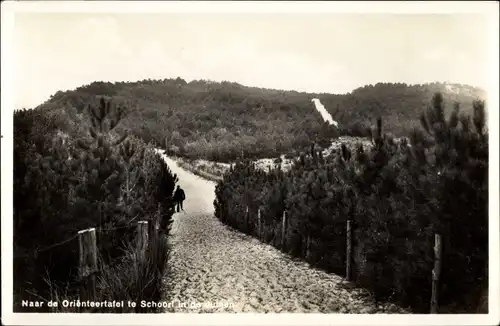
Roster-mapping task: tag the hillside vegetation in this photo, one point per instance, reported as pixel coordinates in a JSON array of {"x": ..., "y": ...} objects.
[
  {"x": 89, "y": 177},
  {"x": 223, "y": 121},
  {"x": 73, "y": 170},
  {"x": 397, "y": 198}
]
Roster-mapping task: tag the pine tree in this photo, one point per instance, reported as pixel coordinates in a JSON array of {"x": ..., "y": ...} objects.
[{"x": 100, "y": 162}]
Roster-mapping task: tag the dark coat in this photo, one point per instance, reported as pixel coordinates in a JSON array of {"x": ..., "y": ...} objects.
[{"x": 179, "y": 195}]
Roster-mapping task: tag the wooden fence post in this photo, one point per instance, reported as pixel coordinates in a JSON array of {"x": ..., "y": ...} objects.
[
  {"x": 283, "y": 229},
  {"x": 246, "y": 219},
  {"x": 308, "y": 246},
  {"x": 142, "y": 238},
  {"x": 348, "y": 252},
  {"x": 87, "y": 245},
  {"x": 259, "y": 222},
  {"x": 157, "y": 219},
  {"x": 436, "y": 273}
]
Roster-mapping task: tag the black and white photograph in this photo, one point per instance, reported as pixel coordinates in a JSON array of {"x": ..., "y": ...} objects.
[{"x": 227, "y": 163}]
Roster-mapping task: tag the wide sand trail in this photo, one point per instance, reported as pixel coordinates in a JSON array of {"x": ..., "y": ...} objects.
[{"x": 214, "y": 268}]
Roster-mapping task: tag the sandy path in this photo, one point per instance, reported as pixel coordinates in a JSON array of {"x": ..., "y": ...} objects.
[{"x": 216, "y": 269}]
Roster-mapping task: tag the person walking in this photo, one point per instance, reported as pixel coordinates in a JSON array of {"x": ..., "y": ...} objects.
[{"x": 179, "y": 197}]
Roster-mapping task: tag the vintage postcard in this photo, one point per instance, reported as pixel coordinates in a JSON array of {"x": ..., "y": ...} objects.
[{"x": 250, "y": 163}]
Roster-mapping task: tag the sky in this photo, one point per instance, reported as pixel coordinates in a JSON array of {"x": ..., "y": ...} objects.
[{"x": 330, "y": 52}]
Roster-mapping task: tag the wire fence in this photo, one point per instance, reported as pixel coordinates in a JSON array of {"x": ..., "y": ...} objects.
[
  {"x": 39, "y": 250},
  {"x": 285, "y": 228},
  {"x": 89, "y": 258},
  {"x": 100, "y": 230}
]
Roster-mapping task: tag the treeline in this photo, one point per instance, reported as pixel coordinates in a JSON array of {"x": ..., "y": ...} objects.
[
  {"x": 224, "y": 121},
  {"x": 397, "y": 197},
  {"x": 399, "y": 104},
  {"x": 86, "y": 177}
]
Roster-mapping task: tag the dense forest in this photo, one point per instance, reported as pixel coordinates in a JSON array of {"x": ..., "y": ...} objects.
[
  {"x": 223, "y": 121},
  {"x": 91, "y": 176},
  {"x": 397, "y": 196}
]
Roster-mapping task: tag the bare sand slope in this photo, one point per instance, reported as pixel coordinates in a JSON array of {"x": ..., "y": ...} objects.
[{"x": 217, "y": 269}]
